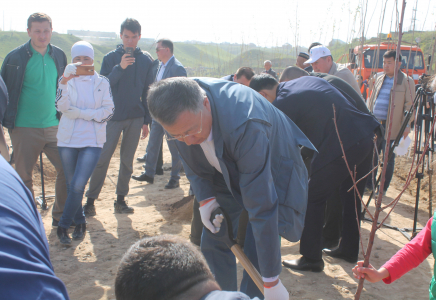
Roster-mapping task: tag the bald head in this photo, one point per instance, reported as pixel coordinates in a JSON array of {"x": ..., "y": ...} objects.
[{"x": 291, "y": 73}]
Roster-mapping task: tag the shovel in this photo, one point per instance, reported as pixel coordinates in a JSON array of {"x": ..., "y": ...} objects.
[{"x": 225, "y": 235}]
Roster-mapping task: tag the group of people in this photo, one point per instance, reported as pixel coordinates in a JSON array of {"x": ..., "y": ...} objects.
[{"x": 266, "y": 150}]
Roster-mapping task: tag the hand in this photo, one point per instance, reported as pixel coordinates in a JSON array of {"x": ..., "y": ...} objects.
[
  {"x": 277, "y": 292},
  {"x": 72, "y": 113},
  {"x": 70, "y": 72},
  {"x": 369, "y": 273},
  {"x": 126, "y": 61},
  {"x": 144, "y": 131},
  {"x": 205, "y": 213},
  {"x": 406, "y": 132}
]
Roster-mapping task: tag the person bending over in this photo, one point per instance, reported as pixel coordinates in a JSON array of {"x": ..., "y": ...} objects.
[
  {"x": 86, "y": 105},
  {"x": 167, "y": 267}
]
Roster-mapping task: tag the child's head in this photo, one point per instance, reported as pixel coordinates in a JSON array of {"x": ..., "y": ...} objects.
[
  {"x": 163, "y": 268},
  {"x": 82, "y": 52}
]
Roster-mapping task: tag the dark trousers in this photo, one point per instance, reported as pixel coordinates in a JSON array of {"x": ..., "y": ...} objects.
[
  {"x": 159, "y": 165},
  {"x": 389, "y": 169},
  {"x": 322, "y": 185},
  {"x": 333, "y": 218}
]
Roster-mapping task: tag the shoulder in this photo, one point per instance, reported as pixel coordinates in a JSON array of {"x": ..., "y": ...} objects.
[
  {"x": 148, "y": 55},
  {"x": 110, "y": 54},
  {"x": 16, "y": 53},
  {"x": 57, "y": 50},
  {"x": 104, "y": 80}
]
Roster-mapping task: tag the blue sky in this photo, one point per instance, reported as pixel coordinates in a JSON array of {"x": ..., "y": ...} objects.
[{"x": 265, "y": 23}]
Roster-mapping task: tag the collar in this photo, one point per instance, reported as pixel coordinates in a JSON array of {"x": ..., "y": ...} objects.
[
  {"x": 210, "y": 137},
  {"x": 333, "y": 68},
  {"x": 32, "y": 51},
  {"x": 166, "y": 64}
]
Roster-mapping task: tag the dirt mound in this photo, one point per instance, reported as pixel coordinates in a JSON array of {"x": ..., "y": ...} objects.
[{"x": 182, "y": 209}]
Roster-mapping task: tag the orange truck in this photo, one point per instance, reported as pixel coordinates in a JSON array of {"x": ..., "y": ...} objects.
[{"x": 370, "y": 61}]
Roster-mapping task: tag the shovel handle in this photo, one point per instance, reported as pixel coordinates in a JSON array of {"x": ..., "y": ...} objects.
[{"x": 248, "y": 266}]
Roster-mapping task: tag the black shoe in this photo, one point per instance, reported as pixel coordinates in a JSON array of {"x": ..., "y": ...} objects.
[
  {"x": 143, "y": 177},
  {"x": 63, "y": 236},
  {"x": 172, "y": 184},
  {"x": 141, "y": 158},
  {"x": 159, "y": 171},
  {"x": 329, "y": 244},
  {"x": 79, "y": 232},
  {"x": 55, "y": 223},
  {"x": 303, "y": 264},
  {"x": 89, "y": 210},
  {"x": 122, "y": 208},
  {"x": 335, "y": 252}
]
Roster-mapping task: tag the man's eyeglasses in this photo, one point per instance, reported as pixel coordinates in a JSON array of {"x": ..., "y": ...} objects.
[
  {"x": 183, "y": 136},
  {"x": 158, "y": 49}
]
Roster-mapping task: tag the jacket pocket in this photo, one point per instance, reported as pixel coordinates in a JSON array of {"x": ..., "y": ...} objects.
[{"x": 291, "y": 188}]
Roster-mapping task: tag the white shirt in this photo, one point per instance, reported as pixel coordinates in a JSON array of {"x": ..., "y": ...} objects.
[
  {"x": 162, "y": 70},
  {"x": 209, "y": 151},
  {"x": 84, "y": 131}
]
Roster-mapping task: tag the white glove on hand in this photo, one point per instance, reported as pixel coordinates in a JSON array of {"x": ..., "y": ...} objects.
[
  {"x": 277, "y": 292},
  {"x": 71, "y": 69},
  {"x": 205, "y": 213},
  {"x": 72, "y": 113}
]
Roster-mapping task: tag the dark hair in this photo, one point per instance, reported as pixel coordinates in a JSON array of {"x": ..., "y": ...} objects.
[
  {"x": 38, "y": 17},
  {"x": 247, "y": 72},
  {"x": 160, "y": 268},
  {"x": 132, "y": 25},
  {"x": 393, "y": 54},
  {"x": 314, "y": 44},
  {"x": 263, "y": 82},
  {"x": 166, "y": 43}
]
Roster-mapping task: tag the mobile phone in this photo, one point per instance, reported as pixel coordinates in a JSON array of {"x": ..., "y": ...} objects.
[
  {"x": 85, "y": 70},
  {"x": 129, "y": 51}
]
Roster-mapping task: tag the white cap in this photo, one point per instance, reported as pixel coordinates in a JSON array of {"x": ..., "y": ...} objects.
[
  {"x": 316, "y": 53},
  {"x": 82, "y": 48}
]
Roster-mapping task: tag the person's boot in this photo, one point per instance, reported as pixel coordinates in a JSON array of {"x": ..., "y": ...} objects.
[
  {"x": 337, "y": 253},
  {"x": 304, "y": 264},
  {"x": 143, "y": 177},
  {"x": 63, "y": 236},
  {"x": 89, "y": 210},
  {"x": 121, "y": 207},
  {"x": 79, "y": 232},
  {"x": 172, "y": 184}
]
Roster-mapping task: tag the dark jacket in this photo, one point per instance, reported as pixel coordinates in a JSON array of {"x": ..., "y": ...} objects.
[
  {"x": 174, "y": 68},
  {"x": 308, "y": 101},
  {"x": 345, "y": 89},
  {"x": 129, "y": 86},
  {"x": 271, "y": 72},
  {"x": 3, "y": 98},
  {"x": 228, "y": 77},
  {"x": 13, "y": 69},
  {"x": 308, "y": 69}
]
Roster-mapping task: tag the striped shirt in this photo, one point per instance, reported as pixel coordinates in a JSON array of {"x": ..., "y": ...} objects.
[{"x": 381, "y": 105}]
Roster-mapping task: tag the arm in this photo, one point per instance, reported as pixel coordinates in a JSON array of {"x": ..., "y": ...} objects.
[
  {"x": 409, "y": 96},
  {"x": 103, "y": 113},
  {"x": 180, "y": 72},
  {"x": 409, "y": 257},
  {"x": 62, "y": 98},
  {"x": 113, "y": 72},
  {"x": 252, "y": 156},
  {"x": 203, "y": 188},
  {"x": 3, "y": 98},
  {"x": 149, "y": 80}
]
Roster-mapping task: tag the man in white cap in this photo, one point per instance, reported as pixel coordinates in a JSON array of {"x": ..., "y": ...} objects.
[{"x": 322, "y": 62}]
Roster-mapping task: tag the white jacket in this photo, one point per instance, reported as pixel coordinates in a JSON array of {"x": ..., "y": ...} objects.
[{"x": 103, "y": 111}]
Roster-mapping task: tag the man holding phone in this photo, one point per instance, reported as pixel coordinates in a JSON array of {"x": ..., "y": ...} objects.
[{"x": 129, "y": 70}]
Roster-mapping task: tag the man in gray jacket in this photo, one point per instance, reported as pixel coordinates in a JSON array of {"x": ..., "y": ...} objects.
[{"x": 238, "y": 152}]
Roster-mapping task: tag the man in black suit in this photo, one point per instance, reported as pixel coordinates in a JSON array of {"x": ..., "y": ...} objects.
[
  {"x": 309, "y": 101},
  {"x": 169, "y": 67}
]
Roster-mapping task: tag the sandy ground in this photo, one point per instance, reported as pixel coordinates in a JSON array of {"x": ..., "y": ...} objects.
[{"x": 88, "y": 267}]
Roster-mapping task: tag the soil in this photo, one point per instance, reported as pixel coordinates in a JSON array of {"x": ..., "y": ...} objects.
[{"x": 88, "y": 267}]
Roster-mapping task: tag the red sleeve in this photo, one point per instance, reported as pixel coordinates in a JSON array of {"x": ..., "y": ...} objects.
[{"x": 410, "y": 256}]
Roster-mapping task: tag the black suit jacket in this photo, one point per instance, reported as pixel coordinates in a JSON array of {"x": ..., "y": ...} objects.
[{"x": 308, "y": 101}]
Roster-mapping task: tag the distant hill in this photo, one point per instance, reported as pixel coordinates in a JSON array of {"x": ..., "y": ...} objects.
[{"x": 207, "y": 59}]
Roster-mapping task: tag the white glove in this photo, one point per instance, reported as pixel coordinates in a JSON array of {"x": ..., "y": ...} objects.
[
  {"x": 205, "y": 213},
  {"x": 71, "y": 69},
  {"x": 72, "y": 113},
  {"x": 277, "y": 292}
]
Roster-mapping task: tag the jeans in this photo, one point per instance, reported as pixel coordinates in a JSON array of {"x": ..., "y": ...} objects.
[
  {"x": 152, "y": 152},
  {"x": 78, "y": 164},
  {"x": 219, "y": 257},
  {"x": 389, "y": 169}
]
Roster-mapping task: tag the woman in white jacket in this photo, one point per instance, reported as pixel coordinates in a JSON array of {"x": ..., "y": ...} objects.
[{"x": 86, "y": 105}]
